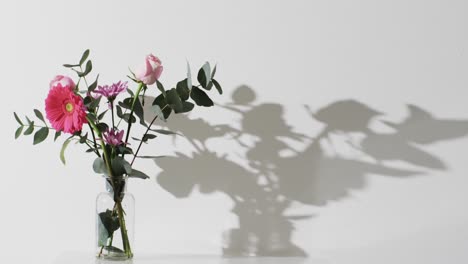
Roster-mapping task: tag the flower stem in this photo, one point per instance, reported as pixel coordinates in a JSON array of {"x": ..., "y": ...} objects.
[
  {"x": 146, "y": 132},
  {"x": 123, "y": 230},
  {"x": 140, "y": 86}
]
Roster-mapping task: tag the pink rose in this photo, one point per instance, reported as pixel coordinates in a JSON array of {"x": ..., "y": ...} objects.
[
  {"x": 150, "y": 72},
  {"x": 64, "y": 81}
]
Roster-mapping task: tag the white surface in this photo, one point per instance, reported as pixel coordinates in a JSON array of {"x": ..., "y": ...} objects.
[
  {"x": 81, "y": 258},
  {"x": 384, "y": 54}
]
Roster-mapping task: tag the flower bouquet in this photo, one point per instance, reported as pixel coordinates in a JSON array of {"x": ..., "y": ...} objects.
[{"x": 76, "y": 109}]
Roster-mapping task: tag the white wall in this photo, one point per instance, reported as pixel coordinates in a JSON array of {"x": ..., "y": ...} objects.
[{"x": 363, "y": 208}]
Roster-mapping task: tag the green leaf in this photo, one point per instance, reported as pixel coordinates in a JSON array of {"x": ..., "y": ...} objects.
[
  {"x": 18, "y": 132},
  {"x": 138, "y": 174},
  {"x": 183, "y": 90},
  {"x": 189, "y": 76},
  {"x": 204, "y": 75},
  {"x": 187, "y": 107},
  {"x": 217, "y": 86},
  {"x": 17, "y": 119},
  {"x": 109, "y": 221},
  {"x": 102, "y": 126},
  {"x": 119, "y": 111},
  {"x": 117, "y": 251},
  {"x": 173, "y": 99},
  {"x": 103, "y": 235},
  {"x": 84, "y": 57},
  {"x": 29, "y": 121},
  {"x": 209, "y": 86},
  {"x": 130, "y": 92},
  {"x": 93, "y": 86},
  {"x": 150, "y": 157},
  {"x": 101, "y": 115},
  {"x": 89, "y": 67},
  {"x": 120, "y": 166},
  {"x": 161, "y": 88},
  {"x": 165, "y": 132},
  {"x": 70, "y": 65},
  {"x": 214, "y": 72},
  {"x": 30, "y": 129},
  {"x": 164, "y": 107},
  {"x": 127, "y": 118},
  {"x": 39, "y": 115},
  {"x": 99, "y": 166},
  {"x": 83, "y": 138},
  {"x": 200, "y": 97},
  {"x": 62, "y": 151},
  {"x": 158, "y": 112},
  {"x": 57, "y": 134},
  {"x": 41, "y": 135},
  {"x": 138, "y": 109}
]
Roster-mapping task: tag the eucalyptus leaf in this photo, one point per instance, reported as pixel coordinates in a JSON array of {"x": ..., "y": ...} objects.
[
  {"x": 120, "y": 166},
  {"x": 57, "y": 134},
  {"x": 84, "y": 57},
  {"x": 30, "y": 129},
  {"x": 41, "y": 135},
  {"x": 99, "y": 166},
  {"x": 93, "y": 86},
  {"x": 109, "y": 221},
  {"x": 189, "y": 76},
  {"x": 150, "y": 157},
  {"x": 138, "y": 174},
  {"x": 158, "y": 112},
  {"x": 187, "y": 107},
  {"x": 17, "y": 119},
  {"x": 200, "y": 97},
  {"x": 213, "y": 72},
  {"x": 183, "y": 90},
  {"x": 161, "y": 87},
  {"x": 70, "y": 65},
  {"x": 18, "y": 132},
  {"x": 101, "y": 115},
  {"x": 173, "y": 99},
  {"x": 89, "y": 67},
  {"x": 39, "y": 115},
  {"x": 204, "y": 75},
  {"x": 138, "y": 109},
  {"x": 217, "y": 86}
]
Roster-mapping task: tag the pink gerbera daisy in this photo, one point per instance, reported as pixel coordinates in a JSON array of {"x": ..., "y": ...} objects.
[{"x": 65, "y": 110}]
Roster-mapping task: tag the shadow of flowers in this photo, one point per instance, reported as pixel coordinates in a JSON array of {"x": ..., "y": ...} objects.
[{"x": 269, "y": 174}]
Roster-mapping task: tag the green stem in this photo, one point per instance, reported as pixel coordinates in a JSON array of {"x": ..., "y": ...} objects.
[
  {"x": 112, "y": 113},
  {"x": 123, "y": 230},
  {"x": 103, "y": 146},
  {"x": 135, "y": 98},
  {"x": 146, "y": 132}
]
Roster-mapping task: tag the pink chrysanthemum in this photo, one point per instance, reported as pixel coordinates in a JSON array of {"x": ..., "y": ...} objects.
[
  {"x": 65, "y": 110},
  {"x": 112, "y": 137},
  {"x": 111, "y": 92}
]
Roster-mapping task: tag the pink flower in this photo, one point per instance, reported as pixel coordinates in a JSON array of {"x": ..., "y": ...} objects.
[
  {"x": 150, "y": 72},
  {"x": 112, "y": 137},
  {"x": 111, "y": 92},
  {"x": 64, "y": 109},
  {"x": 64, "y": 81}
]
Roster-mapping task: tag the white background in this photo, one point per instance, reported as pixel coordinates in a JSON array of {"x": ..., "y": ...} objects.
[{"x": 383, "y": 54}]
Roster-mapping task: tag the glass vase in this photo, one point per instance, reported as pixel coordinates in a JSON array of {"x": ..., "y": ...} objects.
[{"x": 115, "y": 211}]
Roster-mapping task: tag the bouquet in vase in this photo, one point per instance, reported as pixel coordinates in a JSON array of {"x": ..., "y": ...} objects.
[{"x": 101, "y": 117}]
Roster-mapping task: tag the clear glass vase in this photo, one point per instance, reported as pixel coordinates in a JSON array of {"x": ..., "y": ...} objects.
[{"x": 115, "y": 211}]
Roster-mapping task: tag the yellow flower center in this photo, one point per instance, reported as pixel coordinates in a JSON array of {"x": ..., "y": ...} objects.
[{"x": 69, "y": 107}]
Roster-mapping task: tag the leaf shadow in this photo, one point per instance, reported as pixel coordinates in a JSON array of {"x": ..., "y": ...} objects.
[{"x": 270, "y": 175}]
